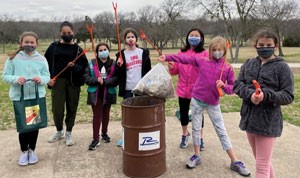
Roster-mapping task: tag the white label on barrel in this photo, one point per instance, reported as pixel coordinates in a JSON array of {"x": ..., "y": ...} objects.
[{"x": 149, "y": 140}]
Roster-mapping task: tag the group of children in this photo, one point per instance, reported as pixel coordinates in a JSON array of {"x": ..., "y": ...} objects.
[{"x": 201, "y": 75}]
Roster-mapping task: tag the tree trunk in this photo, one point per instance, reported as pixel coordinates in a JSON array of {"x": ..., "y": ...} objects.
[
  {"x": 279, "y": 42},
  {"x": 237, "y": 48}
]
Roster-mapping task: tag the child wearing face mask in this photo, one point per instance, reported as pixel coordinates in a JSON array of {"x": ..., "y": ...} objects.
[
  {"x": 101, "y": 91},
  {"x": 187, "y": 76},
  {"x": 65, "y": 89},
  {"x": 24, "y": 68},
  {"x": 205, "y": 97},
  {"x": 136, "y": 64},
  {"x": 261, "y": 115}
]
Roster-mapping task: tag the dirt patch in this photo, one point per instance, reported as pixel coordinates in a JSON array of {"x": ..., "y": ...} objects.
[{"x": 296, "y": 70}]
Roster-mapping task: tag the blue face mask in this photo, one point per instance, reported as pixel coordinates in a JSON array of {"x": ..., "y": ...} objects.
[
  {"x": 103, "y": 54},
  {"x": 194, "y": 41}
]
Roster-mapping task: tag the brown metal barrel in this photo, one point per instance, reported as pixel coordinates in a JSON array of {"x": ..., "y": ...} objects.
[{"x": 144, "y": 146}]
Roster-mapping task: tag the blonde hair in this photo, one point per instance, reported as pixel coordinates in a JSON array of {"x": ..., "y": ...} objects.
[
  {"x": 220, "y": 41},
  {"x": 24, "y": 34}
]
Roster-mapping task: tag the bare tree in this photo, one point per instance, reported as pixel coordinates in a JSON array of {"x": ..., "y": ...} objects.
[
  {"x": 105, "y": 26},
  {"x": 274, "y": 13},
  {"x": 228, "y": 12}
]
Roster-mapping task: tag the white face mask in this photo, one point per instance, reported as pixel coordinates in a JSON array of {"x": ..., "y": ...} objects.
[{"x": 218, "y": 54}]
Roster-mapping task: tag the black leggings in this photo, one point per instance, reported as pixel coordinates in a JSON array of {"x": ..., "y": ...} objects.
[
  {"x": 28, "y": 140},
  {"x": 184, "y": 106}
]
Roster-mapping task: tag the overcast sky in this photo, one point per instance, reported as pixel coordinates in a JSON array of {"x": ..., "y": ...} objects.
[{"x": 45, "y": 9}]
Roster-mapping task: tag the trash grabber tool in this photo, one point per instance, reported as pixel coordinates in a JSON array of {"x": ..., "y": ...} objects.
[
  {"x": 90, "y": 28},
  {"x": 257, "y": 87},
  {"x": 120, "y": 60},
  {"x": 220, "y": 90},
  {"x": 82, "y": 53}
]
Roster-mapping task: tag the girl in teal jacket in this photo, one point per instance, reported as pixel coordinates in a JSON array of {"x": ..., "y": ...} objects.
[{"x": 27, "y": 64}]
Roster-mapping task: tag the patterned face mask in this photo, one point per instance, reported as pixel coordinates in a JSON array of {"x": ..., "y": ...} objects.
[
  {"x": 28, "y": 49},
  {"x": 265, "y": 52}
]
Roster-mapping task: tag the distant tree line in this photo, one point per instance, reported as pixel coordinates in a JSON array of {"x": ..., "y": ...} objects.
[{"x": 167, "y": 25}]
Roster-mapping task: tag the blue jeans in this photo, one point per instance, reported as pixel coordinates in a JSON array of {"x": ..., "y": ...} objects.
[{"x": 215, "y": 116}]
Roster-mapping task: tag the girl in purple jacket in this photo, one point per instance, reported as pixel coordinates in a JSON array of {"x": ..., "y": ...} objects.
[
  {"x": 187, "y": 76},
  {"x": 205, "y": 96}
]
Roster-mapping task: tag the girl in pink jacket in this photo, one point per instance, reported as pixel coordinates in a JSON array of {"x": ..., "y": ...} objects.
[
  {"x": 205, "y": 96},
  {"x": 187, "y": 76}
]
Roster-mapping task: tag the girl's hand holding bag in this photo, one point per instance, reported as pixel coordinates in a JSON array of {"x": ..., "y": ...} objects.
[{"x": 30, "y": 114}]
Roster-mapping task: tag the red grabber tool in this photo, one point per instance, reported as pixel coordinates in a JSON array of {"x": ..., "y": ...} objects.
[
  {"x": 220, "y": 90},
  {"x": 257, "y": 87},
  {"x": 120, "y": 60},
  {"x": 90, "y": 29},
  {"x": 82, "y": 53}
]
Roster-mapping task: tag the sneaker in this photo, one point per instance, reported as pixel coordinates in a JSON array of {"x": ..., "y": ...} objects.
[
  {"x": 240, "y": 168},
  {"x": 58, "y": 135},
  {"x": 120, "y": 143},
  {"x": 193, "y": 161},
  {"x": 202, "y": 145},
  {"x": 105, "y": 137},
  {"x": 69, "y": 139},
  {"x": 94, "y": 145},
  {"x": 23, "y": 159},
  {"x": 32, "y": 157},
  {"x": 184, "y": 141}
]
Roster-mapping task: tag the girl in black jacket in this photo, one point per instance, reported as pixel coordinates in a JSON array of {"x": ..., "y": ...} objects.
[
  {"x": 102, "y": 81},
  {"x": 66, "y": 87},
  {"x": 261, "y": 115}
]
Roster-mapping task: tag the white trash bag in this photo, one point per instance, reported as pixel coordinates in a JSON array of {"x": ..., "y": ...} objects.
[{"x": 157, "y": 83}]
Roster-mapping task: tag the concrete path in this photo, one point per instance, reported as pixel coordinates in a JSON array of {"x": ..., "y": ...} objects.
[{"x": 59, "y": 161}]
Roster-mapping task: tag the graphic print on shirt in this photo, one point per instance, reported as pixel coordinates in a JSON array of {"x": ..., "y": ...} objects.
[{"x": 133, "y": 67}]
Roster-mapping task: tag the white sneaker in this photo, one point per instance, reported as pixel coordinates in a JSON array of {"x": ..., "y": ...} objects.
[
  {"x": 32, "y": 157},
  {"x": 58, "y": 135},
  {"x": 69, "y": 139},
  {"x": 23, "y": 159}
]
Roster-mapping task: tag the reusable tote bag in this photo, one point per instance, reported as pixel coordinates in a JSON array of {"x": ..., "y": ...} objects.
[{"x": 30, "y": 114}]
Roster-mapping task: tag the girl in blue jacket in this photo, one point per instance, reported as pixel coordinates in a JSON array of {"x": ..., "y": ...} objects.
[{"x": 27, "y": 64}]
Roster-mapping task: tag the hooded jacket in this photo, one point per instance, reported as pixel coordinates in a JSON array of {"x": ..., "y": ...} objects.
[
  {"x": 187, "y": 74},
  {"x": 28, "y": 67},
  {"x": 277, "y": 83},
  {"x": 205, "y": 88}
]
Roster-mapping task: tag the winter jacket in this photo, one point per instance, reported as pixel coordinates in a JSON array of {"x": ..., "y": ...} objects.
[
  {"x": 205, "y": 88},
  {"x": 109, "y": 95},
  {"x": 58, "y": 58},
  {"x": 146, "y": 67},
  {"x": 277, "y": 84},
  {"x": 28, "y": 67},
  {"x": 187, "y": 74}
]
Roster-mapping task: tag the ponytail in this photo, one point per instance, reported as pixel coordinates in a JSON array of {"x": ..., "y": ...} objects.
[{"x": 13, "y": 55}]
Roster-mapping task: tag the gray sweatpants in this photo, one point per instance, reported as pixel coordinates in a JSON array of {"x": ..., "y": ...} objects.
[{"x": 215, "y": 115}]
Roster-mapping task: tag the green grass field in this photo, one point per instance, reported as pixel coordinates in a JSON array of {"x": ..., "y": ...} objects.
[{"x": 291, "y": 113}]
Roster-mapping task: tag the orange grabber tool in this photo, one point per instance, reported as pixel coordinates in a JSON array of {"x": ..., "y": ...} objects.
[
  {"x": 144, "y": 37},
  {"x": 120, "y": 60},
  {"x": 220, "y": 90},
  {"x": 257, "y": 87},
  {"x": 82, "y": 53}
]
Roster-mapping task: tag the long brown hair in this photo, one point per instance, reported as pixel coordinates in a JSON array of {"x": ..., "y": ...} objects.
[{"x": 30, "y": 33}]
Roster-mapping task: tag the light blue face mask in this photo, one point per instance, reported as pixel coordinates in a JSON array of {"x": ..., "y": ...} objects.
[
  {"x": 103, "y": 54},
  {"x": 194, "y": 41}
]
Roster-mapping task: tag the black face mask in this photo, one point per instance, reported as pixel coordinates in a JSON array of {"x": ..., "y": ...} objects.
[
  {"x": 265, "y": 52},
  {"x": 67, "y": 38}
]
